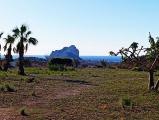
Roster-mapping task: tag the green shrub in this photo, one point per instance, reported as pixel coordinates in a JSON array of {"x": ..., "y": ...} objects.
[
  {"x": 56, "y": 67},
  {"x": 62, "y": 64},
  {"x": 30, "y": 80},
  {"x": 104, "y": 63},
  {"x": 26, "y": 62},
  {"x": 62, "y": 61},
  {"x": 126, "y": 102},
  {"x": 70, "y": 68},
  {"x": 33, "y": 94},
  {"x": 7, "y": 88},
  {"x": 2, "y": 88},
  {"x": 23, "y": 112},
  {"x": 137, "y": 69}
]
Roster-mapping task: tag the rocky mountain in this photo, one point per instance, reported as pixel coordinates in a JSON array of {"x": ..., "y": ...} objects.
[{"x": 67, "y": 52}]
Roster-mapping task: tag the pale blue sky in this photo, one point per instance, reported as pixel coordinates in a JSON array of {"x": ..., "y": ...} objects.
[{"x": 94, "y": 26}]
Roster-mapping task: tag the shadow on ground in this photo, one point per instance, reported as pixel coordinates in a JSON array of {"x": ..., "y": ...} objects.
[{"x": 82, "y": 82}]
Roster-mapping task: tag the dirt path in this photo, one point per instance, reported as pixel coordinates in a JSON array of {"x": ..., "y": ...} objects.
[
  {"x": 71, "y": 92},
  {"x": 9, "y": 114},
  {"x": 47, "y": 96},
  {"x": 46, "y": 91},
  {"x": 5, "y": 113}
]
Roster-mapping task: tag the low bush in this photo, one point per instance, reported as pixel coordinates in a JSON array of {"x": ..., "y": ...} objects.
[
  {"x": 62, "y": 64},
  {"x": 126, "y": 102},
  {"x": 104, "y": 63},
  {"x": 7, "y": 88},
  {"x": 56, "y": 67},
  {"x": 23, "y": 112},
  {"x": 26, "y": 62},
  {"x": 62, "y": 61},
  {"x": 137, "y": 69},
  {"x": 2, "y": 88},
  {"x": 33, "y": 94},
  {"x": 30, "y": 80}
]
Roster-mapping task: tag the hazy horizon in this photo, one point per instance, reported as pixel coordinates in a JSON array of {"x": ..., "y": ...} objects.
[{"x": 95, "y": 27}]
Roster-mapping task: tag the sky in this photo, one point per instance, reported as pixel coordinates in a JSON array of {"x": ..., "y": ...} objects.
[{"x": 95, "y": 27}]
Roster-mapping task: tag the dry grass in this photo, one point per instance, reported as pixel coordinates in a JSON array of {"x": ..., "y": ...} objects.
[{"x": 83, "y": 94}]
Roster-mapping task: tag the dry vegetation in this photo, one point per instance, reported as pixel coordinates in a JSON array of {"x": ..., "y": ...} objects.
[{"x": 83, "y": 94}]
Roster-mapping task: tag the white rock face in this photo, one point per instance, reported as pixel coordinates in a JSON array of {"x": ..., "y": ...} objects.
[{"x": 67, "y": 52}]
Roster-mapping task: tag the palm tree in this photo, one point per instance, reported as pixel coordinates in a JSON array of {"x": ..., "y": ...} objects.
[
  {"x": 0, "y": 38},
  {"x": 9, "y": 41},
  {"x": 1, "y": 34},
  {"x": 0, "y": 50},
  {"x": 23, "y": 35}
]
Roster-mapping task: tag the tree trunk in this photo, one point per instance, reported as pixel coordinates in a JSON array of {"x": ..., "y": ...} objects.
[
  {"x": 21, "y": 64},
  {"x": 8, "y": 58},
  {"x": 0, "y": 63},
  {"x": 151, "y": 80},
  {"x": 6, "y": 66},
  {"x": 157, "y": 85},
  {"x": 7, "y": 63}
]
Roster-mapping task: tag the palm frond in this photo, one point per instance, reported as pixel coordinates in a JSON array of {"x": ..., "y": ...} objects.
[
  {"x": 16, "y": 32},
  {"x": 23, "y": 29},
  {"x": 5, "y": 47},
  {"x": 27, "y": 34},
  {"x": 9, "y": 39},
  {"x": 26, "y": 47},
  {"x": 15, "y": 50},
  {"x": 25, "y": 40},
  {"x": 6, "y": 40},
  {"x": 33, "y": 41},
  {"x": 1, "y": 34}
]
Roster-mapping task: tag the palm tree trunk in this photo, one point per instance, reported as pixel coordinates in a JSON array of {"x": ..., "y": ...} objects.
[
  {"x": 6, "y": 65},
  {"x": 0, "y": 62},
  {"x": 151, "y": 80},
  {"x": 8, "y": 58},
  {"x": 21, "y": 64}
]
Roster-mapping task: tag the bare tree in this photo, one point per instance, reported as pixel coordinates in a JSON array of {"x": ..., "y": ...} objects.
[{"x": 146, "y": 58}]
